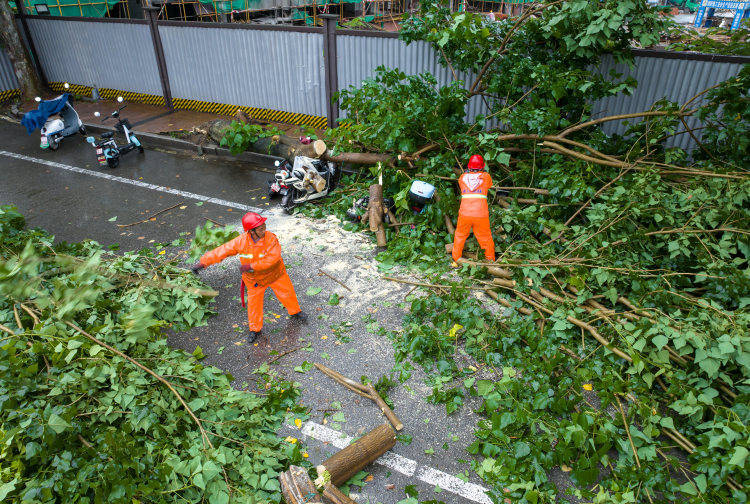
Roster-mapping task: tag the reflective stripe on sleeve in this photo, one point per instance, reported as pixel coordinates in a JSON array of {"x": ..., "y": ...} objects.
[
  {"x": 474, "y": 196},
  {"x": 246, "y": 256}
]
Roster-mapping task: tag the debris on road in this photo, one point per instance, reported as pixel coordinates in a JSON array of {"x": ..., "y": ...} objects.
[{"x": 367, "y": 391}]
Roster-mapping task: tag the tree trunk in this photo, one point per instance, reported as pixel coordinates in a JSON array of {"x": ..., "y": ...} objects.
[
  {"x": 358, "y": 455},
  {"x": 25, "y": 72},
  {"x": 335, "y": 496},
  {"x": 368, "y": 158},
  {"x": 376, "y": 212}
]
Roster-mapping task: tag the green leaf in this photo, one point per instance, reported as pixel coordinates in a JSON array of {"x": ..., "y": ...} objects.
[
  {"x": 198, "y": 353},
  {"x": 7, "y": 488},
  {"x": 521, "y": 449},
  {"x": 311, "y": 291},
  {"x": 429, "y": 451},
  {"x": 739, "y": 456},
  {"x": 57, "y": 424},
  {"x": 112, "y": 219}
]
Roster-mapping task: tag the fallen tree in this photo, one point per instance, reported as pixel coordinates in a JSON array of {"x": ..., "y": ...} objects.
[{"x": 621, "y": 353}]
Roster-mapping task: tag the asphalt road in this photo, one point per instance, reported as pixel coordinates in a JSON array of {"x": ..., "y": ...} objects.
[{"x": 68, "y": 194}]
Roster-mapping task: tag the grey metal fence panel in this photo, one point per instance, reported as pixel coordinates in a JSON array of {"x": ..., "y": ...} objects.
[
  {"x": 278, "y": 70},
  {"x": 97, "y": 54},
  {"x": 8, "y": 79},
  {"x": 676, "y": 80},
  {"x": 359, "y": 56}
]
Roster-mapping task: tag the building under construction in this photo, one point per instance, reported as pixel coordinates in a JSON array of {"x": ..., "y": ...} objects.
[{"x": 376, "y": 14}]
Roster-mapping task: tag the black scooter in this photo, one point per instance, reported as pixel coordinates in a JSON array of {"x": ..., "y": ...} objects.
[{"x": 107, "y": 151}]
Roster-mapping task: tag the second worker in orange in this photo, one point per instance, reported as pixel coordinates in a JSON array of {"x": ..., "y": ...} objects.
[{"x": 474, "y": 214}]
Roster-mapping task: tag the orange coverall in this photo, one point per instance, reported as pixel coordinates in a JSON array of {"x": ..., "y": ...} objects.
[
  {"x": 268, "y": 271},
  {"x": 473, "y": 214}
]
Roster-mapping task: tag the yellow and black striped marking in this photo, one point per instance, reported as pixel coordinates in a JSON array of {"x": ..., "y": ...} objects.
[
  {"x": 260, "y": 114},
  {"x": 76, "y": 89},
  {"x": 9, "y": 94},
  {"x": 148, "y": 99}
]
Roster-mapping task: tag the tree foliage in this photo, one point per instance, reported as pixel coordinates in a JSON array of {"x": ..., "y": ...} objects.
[
  {"x": 80, "y": 423},
  {"x": 621, "y": 352}
]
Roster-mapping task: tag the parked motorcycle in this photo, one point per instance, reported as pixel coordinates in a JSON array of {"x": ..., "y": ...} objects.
[
  {"x": 107, "y": 151},
  {"x": 308, "y": 179},
  {"x": 55, "y": 118}
]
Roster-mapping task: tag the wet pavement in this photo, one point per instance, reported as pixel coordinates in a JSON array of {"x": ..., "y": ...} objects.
[{"x": 346, "y": 336}]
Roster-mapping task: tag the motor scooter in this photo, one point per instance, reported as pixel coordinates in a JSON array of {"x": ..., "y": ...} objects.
[
  {"x": 308, "y": 179},
  {"x": 107, "y": 151},
  {"x": 56, "y": 118}
]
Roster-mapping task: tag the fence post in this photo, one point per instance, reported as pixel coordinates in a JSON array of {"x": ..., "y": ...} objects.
[
  {"x": 31, "y": 47},
  {"x": 152, "y": 13},
  {"x": 331, "y": 66}
]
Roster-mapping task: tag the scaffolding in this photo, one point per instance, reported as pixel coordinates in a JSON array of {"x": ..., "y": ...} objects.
[{"x": 303, "y": 12}]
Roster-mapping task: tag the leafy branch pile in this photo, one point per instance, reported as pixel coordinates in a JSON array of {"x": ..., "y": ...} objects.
[
  {"x": 95, "y": 407},
  {"x": 617, "y": 344}
]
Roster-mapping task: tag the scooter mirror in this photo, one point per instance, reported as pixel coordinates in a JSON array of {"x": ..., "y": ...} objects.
[
  {"x": 119, "y": 99},
  {"x": 90, "y": 139},
  {"x": 37, "y": 99},
  {"x": 66, "y": 85},
  {"x": 277, "y": 163},
  {"x": 97, "y": 114}
]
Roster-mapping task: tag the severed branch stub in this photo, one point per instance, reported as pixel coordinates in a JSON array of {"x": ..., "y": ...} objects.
[{"x": 367, "y": 391}]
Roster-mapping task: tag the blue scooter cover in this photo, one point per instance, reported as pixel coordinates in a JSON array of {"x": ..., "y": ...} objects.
[{"x": 35, "y": 119}]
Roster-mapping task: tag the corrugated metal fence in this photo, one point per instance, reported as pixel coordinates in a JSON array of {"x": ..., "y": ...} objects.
[
  {"x": 661, "y": 75},
  {"x": 279, "y": 72},
  {"x": 8, "y": 80}
]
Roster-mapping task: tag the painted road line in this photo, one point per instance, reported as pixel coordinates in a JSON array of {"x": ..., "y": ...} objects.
[
  {"x": 454, "y": 485},
  {"x": 403, "y": 465},
  {"x": 137, "y": 183}
]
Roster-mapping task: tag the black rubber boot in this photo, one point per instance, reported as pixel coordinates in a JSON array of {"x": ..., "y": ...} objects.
[
  {"x": 252, "y": 337},
  {"x": 299, "y": 317}
]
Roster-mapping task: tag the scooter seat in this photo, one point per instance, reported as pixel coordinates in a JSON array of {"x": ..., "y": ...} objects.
[{"x": 108, "y": 134}]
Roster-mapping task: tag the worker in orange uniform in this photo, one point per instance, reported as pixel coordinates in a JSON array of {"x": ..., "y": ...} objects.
[
  {"x": 473, "y": 214},
  {"x": 261, "y": 267}
]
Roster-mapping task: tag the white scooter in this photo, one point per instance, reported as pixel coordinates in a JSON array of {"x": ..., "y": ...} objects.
[{"x": 63, "y": 123}]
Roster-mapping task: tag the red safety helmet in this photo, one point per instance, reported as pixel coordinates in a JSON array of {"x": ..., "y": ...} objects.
[
  {"x": 252, "y": 220},
  {"x": 476, "y": 163}
]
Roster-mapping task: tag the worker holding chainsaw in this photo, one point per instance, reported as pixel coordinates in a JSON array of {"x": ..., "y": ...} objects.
[
  {"x": 474, "y": 214},
  {"x": 261, "y": 266}
]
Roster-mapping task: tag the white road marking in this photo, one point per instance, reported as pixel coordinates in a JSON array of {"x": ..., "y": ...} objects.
[
  {"x": 137, "y": 183},
  {"x": 454, "y": 485},
  {"x": 405, "y": 466}
]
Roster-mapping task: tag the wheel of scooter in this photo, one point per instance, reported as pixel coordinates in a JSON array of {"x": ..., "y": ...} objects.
[
  {"x": 54, "y": 144},
  {"x": 113, "y": 162},
  {"x": 82, "y": 130},
  {"x": 140, "y": 149},
  {"x": 287, "y": 202}
]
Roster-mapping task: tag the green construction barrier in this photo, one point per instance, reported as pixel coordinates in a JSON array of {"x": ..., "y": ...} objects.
[{"x": 72, "y": 8}]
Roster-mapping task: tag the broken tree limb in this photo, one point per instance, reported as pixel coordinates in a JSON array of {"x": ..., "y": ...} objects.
[
  {"x": 297, "y": 487},
  {"x": 368, "y": 158},
  {"x": 367, "y": 391},
  {"x": 384, "y": 408},
  {"x": 151, "y": 216},
  {"x": 376, "y": 212},
  {"x": 492, "y": 270},
  {"x": 355, "y": 457},
  {"x": 335, "y": 279},
  {"x": 355, "y": 387}
]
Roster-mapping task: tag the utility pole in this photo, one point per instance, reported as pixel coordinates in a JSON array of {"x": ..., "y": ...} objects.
[{"x": 11, "y": 42}]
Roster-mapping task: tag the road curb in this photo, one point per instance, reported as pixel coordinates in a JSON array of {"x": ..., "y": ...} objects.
[{"x": 152, "y": 140}]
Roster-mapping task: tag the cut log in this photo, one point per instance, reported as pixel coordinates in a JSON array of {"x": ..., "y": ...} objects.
[
  {"x": 358, "y": 455},
  {"x": 376, "y": 211},
  {"x": 298, "y": 488}
]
